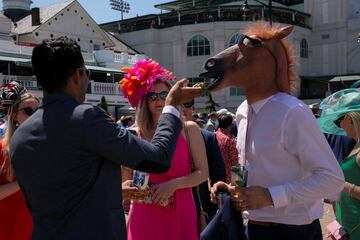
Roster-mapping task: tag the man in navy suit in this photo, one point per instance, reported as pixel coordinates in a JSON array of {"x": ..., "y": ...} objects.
[
  {"x": 215, "y": 163},
  {"x": 67, "y": 156}
]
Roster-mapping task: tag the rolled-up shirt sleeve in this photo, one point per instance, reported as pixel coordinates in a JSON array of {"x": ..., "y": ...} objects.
[{"x": 323, "y": 176}]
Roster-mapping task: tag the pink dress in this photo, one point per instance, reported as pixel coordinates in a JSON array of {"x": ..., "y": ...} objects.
[{"x": 177, "y": 222}]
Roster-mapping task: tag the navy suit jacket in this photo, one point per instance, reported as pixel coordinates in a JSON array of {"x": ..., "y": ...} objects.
[
  {"x": 340, "y": 145},
  {"x": 67, "y": 159},
  {"x": 226, "y": 225},
  {"x": 216, "y": 172}
]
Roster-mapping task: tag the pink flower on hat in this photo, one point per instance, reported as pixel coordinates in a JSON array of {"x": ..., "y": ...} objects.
[{"x": 139, "y": 80}]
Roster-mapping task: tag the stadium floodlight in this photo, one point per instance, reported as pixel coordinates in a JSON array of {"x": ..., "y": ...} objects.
[{"x": 121, "y": 6}]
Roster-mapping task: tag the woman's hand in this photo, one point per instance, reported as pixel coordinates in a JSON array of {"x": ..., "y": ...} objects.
[{"x": 162, "y": 192}]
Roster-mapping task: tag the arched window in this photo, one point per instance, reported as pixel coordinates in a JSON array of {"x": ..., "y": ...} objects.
[
  {"x": 304, "y": 49},
  {"x": 234, "y": 39},
  {"x": 198, "y": 46}
]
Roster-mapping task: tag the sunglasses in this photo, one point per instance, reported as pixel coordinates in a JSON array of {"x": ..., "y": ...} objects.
[
  {"x": 87, "y": 72},
  {"x": 338, "y": 121},
  {"x": 153, "y": 96},
  {"x": 188, "y": 104},
  {"x": 253, "y": 41},
  {"x": 27, "y": 110}
]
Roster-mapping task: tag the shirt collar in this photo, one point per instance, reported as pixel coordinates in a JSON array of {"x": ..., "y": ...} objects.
[
  {"x": 256, "y": 106},
  {"x": 54, "y": 97}
]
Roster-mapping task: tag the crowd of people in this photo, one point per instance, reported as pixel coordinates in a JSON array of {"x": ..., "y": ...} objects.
[{"x": 66, "y": 168}]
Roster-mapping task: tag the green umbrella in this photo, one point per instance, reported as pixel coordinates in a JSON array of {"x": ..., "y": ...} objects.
[{"x": 337, "y": 105}]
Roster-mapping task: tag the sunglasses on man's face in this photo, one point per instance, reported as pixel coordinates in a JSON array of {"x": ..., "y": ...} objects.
[
  {"x": 87, "y": 72},
  {"x": 338, "y": 121},
  {"x": 188, "y": 104},
  {"x": 153, "y": 95},
  {"x": 27, "y": 110}
]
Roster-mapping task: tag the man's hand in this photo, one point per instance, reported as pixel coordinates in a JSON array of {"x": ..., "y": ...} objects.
[
  {"x": 179, "y": 93},
  {"x": 252, "y": 198},
  {"x": 216, "y": 187},
  {"x": 129, "y": 190}
]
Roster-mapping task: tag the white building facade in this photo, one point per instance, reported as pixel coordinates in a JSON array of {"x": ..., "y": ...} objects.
[{"x": 324, "y": 37}]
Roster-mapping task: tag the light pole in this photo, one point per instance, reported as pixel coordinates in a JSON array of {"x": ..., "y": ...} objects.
[
  {"x": 245, "y": 8},
  {"x": 121, "y": 6}
]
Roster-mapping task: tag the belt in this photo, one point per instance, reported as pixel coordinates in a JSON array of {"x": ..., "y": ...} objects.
[{"x": 264, "y": 224}]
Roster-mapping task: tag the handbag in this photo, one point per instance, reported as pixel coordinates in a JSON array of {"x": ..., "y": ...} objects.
[
  {"x": 202, "y": 218},
  {"x": 338, "y": 232}
]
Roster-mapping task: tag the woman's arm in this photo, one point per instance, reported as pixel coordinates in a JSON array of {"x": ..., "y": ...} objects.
[
  {"x": 8, "y": 189},
  {"x": 352, "y": 189},
  {"x": 200, "y": 173}
]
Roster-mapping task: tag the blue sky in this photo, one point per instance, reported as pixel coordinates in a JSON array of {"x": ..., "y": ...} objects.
[{"x": 101, "y": 11}]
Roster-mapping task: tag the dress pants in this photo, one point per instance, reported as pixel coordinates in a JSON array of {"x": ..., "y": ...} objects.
[{"x": 273, "y": 231}]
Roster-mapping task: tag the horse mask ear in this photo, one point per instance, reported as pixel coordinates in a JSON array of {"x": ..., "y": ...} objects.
[{"x": 284, "y": 32}]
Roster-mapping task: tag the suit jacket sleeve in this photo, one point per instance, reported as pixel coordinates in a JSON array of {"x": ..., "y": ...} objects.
[{"x": 113, "y": 143}]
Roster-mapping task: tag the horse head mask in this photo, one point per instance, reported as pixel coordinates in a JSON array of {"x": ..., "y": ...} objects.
[{"x": 261, "y": 53}]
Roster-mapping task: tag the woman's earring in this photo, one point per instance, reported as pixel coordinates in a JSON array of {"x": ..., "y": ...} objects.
[{"x": 16, "y": 123}]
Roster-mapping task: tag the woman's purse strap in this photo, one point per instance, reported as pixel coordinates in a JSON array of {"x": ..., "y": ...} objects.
[{"x": 192, "y": 165}]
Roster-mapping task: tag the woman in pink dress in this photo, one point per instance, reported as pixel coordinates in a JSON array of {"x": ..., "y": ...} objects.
[{"x": 172, "y": 213}]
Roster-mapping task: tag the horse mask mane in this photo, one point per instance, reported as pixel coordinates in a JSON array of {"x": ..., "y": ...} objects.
[{"x": 240, "y": 56}]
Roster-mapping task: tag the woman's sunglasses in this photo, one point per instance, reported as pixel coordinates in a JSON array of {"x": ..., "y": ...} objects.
[
  {"x": 27, "y": 110},
  {"x": 338, "y": 121},
  {"x": 153, "y": 95}
]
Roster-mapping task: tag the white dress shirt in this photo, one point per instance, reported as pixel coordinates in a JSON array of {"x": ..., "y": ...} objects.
[
  {"x": 172, "y": 110},
  {"x": 287, "y": 153}
]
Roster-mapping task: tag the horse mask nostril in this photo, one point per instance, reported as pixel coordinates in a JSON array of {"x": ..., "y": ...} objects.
[{"x": 210, "y": 63}]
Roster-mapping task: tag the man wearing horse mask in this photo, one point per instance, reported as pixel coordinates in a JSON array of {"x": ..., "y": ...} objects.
[{"x": 289, "y": 166}]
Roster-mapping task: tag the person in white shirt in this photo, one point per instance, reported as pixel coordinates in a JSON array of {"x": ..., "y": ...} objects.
[{"x": 290, "y": 167}]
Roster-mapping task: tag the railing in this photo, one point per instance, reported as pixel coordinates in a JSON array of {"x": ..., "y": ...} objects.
[
  {"x": 171, "y": 19},
  {"x": 104, "y": 88},
  {"x": 88, "y": 57},
  {"x": 10, "y": 47},
  {"x": 121, "y": 57},
  {"x": 125, "y": 58},
  {"x": 28, "y": 82}
]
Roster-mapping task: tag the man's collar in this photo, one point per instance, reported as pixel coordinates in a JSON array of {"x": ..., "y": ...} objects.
[
  {"x": 53, "y": 97},
  {"x": 256, "y": 106}
]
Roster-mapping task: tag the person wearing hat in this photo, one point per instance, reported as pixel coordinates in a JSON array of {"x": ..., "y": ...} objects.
[
  {"x": 211, "y": 124},
  {"x": 17, "y": 106},
  {"x": 67, "y": 156},
  {"x": 341, "y": 115}
]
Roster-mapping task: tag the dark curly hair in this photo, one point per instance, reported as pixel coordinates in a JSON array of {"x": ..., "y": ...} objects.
[
  {"x": 54, "y": 61},
  {"x": 225, "y": 121}
]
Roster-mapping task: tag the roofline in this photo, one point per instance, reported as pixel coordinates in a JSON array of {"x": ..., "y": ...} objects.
[
  {"x": 41, "y": 24},
  {"x": 127, "y": 45},
  {"x": 129, "y": 19},
  {"x": 195, "y": 8},
  {"x": 162, "y": 4},
  {"x": 70, "y": 4},
  {"x": 102, "y": 31}
]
